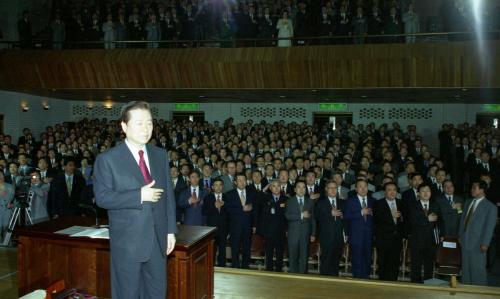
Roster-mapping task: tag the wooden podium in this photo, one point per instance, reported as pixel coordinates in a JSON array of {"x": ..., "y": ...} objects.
[{"x": 44, "y": 257}]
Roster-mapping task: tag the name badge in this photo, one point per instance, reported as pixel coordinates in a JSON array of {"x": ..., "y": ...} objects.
[
  {"x": 282, "y": 205},
  {"x": 273, "y": 211}
]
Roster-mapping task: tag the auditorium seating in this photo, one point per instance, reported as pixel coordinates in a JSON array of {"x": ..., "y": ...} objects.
[
  {"x": 53, "y": 146},
  {"x": 217, "y": 24}
]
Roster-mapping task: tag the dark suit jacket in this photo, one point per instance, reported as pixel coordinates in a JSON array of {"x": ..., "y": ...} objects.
[
  {"x": 62, "y": 202},
  {"x": 317, "y": 190},
  {"x": 239, "y": 219},
  {"x": 179, "y": 186},
  {"x": 215, "y": 217},
  {"x": 132, "y": 224},
  {"x": 451, "y": 217},
  {"x": 422, "y": 231},
  {"x": 289, "y": 190},
  {"x": 360, "y": 230},
  {"x": 271, "y": 221},
  {"x": 9, "y": 180},
  {"x": 386, "y": 231},
  {"x": 298, "y": 227},
  {"x": 192, "y": 213},
  {"x": 330, "y": 229}
]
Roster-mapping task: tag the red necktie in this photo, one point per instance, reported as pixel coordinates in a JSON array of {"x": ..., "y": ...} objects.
[{"x": 144, "y": 168}]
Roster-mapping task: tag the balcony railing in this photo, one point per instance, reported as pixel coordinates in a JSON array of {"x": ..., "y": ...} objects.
[{"x": 255, "y": 42}]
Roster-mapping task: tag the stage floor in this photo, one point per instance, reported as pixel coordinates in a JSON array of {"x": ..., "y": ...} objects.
[{"x": 232, "y": 283}]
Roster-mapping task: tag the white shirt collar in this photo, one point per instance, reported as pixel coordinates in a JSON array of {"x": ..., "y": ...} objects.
[
  {"x": 389, "y": 202},
  {"x": 135, "y": 152},
  {"x": 428, "y": 203}
]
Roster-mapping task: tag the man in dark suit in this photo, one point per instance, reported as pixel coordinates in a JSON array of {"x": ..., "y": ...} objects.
[
  {"x": 485, "y": 166},
  {"x": 437, "y": 186},
  {"x": 132, "y": 181},
  {"x": 450, "y": 206},
  {"x": 239, "y": 206},
  {"x": 191, "y": 199},
  {"x": 214, "y": 209},
  {"x": 389, "y": 232},
  {"x": 424, "y": 217},
  {"x": 286, "y": 187},
  {"x": 272, "y": 224},
  {"x": 13, "y": 176},
  {"x": 178, "y": 182},
  {"x": 358, "y": 213},
  {"x": 312, "y": 189},
  {"x": 66, "y": 190},
  {"x": 301, "y": 228},
  {"x": 328, "y": 214},
  {"x": 411, "y": 195}
]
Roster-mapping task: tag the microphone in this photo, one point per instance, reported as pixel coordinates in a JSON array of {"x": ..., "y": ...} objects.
[{"x": 91, "y": 208}]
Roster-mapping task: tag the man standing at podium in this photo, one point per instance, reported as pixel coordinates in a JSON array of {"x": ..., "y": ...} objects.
[{"x": 132, "y": 181}]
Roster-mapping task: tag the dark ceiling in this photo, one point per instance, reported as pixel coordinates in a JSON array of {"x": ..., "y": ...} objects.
[{"x": 385, "y": 95}]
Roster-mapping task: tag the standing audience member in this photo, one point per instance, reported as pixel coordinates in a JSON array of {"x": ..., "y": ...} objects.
[
  {"x": 273, "y": 225},
  {"x": 39, "y": 192},
  {"x": 214, "y": 208},
  {"x": 423, "y": 239},
  {"x": 285, "y": 29},
  {"x": 389, "y": 232},
  {"x": 108, "y": 29},
  {"x": 328, "y": 214},
  {"x": 476, "y": 231},
  {"x": 412, "y": 23},
  {"x": 301, "y": 228},
  {"x": 358, "y": 213},
  {"x": 7, "y": 192},
  {"x": 240, "y": 208}
]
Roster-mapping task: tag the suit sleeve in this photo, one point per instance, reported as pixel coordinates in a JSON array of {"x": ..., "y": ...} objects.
[
  {"x": 182, "y": 199},
  {"x": 170, "y": 200},
  {"x": 351, "y": 213},
  {"x": 56, "y": 201},
  {"x": 416, "y": 219},
  {"x": 319, "y": 215},
  {"x": 489, "y": 225},
  {"x": 292, "y": 215},
  {"x": 208, "y": 206},
  {"x": 105, "y": 194},
  {"x": 313, "y": 220}
]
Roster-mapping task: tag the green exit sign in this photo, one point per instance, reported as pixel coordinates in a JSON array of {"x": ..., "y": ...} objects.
[
  {"x": 332, "y": 106},
  {"x": 187, "y": 106},
  {"x": 491, "y": 107}
]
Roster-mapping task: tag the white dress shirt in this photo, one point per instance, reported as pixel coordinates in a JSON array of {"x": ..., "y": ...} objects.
[{"x": 135, "y": 152}]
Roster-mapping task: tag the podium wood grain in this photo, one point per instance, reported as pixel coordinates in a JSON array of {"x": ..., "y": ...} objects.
[{"x": 44, "y": 257}]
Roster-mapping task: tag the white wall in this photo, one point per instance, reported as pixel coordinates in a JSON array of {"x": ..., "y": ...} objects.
[{"x": 61, "y": 110}]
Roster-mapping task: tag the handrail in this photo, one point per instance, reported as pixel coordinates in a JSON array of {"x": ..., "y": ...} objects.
[{"x": 237, "y": 41}]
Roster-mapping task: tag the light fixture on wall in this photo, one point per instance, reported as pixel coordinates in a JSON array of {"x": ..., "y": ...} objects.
[
  {"x": 108, "y": 104},
  {"x": 45, "y": 105},
  {"x": 24, "y": 106}
]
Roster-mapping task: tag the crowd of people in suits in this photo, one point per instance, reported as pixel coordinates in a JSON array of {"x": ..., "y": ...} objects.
[
  {"x": 294, "y": 185},
  {"x": 104, "y": 22}
]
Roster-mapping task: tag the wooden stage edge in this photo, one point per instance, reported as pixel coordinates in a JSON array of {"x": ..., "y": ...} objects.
[{"x": 351, "y": 282}]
